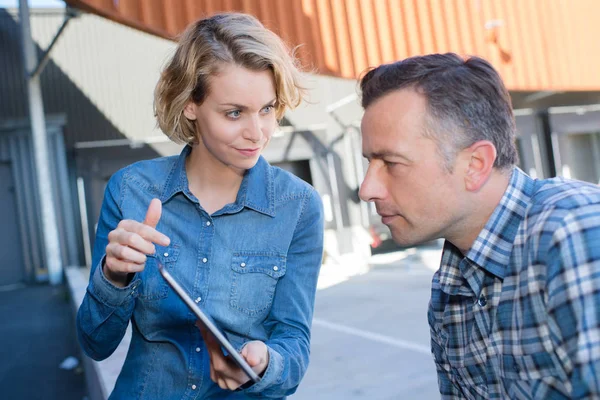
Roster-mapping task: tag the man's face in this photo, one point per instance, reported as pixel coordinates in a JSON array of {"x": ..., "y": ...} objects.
[{"x": 417, "y": 198}]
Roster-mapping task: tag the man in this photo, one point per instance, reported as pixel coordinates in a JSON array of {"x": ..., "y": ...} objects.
[{"x": 515, "y": 304}]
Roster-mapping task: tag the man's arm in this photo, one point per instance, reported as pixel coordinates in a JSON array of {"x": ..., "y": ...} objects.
[
  {"x": 574, "y": 298},
  {"x": 447, "y": 389},
  {"x": 442, "y": 366}
]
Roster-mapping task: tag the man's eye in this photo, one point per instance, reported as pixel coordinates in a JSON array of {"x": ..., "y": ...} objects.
[
  {"x": 268, "y": 109},
  {"x": 234, "y": 114},
  {"x": 389, "y": 163}
]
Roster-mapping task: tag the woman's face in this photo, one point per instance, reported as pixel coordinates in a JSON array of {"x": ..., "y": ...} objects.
[{"x": 237, "y": 118}]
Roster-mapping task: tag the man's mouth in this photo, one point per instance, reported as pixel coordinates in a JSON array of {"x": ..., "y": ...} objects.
[{"x": 387, "y": 218}]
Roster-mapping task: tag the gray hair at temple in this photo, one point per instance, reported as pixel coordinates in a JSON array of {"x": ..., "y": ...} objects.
[{"x": 466, "y": 98}]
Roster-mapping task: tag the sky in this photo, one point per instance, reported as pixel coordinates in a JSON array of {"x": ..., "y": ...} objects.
[{"x": 32, "y": 3}]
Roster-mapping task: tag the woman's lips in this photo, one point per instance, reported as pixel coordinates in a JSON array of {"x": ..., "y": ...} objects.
[{"x": 249, "y": 152}]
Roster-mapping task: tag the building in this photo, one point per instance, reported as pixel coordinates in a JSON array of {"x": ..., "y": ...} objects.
[{"x": 98, "y": 85}]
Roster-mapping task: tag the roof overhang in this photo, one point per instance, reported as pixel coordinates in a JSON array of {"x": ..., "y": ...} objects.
[{"x": 535, "y": 47}]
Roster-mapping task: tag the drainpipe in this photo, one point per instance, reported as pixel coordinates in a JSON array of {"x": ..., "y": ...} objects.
[
  {"x": 40, "y": 149},
  {"x": 543, "y": 117}
]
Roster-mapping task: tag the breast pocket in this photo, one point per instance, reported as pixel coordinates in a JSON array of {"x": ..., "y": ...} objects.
[
  {"x": 254, "y": 279},
  {"x": 153, "y": 285}
]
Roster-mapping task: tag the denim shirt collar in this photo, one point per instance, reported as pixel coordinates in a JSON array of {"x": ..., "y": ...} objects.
[
  {"x": 256, "y": 191},
  {"x": 492, "y": 248}
]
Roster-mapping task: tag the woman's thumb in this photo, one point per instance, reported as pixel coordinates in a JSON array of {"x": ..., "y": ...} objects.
[{"x": 153, "y": 213}]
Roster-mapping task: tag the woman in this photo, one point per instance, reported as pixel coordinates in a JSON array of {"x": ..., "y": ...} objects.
[{"x": 243, "y": 238}]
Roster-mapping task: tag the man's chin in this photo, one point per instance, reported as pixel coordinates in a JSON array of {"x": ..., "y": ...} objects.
[{"x": 406, "y": 240}]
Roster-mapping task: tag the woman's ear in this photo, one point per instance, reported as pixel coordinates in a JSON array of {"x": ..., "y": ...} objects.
[
  {"x": 481, "y": 163},
  {"x": 189, "y": 111}
]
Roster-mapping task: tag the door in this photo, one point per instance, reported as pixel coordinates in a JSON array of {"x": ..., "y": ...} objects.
[
  {"x": 300, "y": 168},
  {"x": 12, "y": 268}
]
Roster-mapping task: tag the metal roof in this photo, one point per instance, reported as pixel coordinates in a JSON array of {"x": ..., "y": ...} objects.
[{"x": 535, "y": 44}]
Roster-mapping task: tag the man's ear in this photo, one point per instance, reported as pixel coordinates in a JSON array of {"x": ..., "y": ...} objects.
[
  {"x": 482, "y": 156},
  {"x": 189, "y": 111}
]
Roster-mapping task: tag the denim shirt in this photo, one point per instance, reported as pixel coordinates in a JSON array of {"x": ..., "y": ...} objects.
[{"x": 252, "y": 266}]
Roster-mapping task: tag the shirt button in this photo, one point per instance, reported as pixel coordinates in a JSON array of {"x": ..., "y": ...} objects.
[
  {"x": 482, "y": 301},
  {"x": 197, "y": 349},
  {"x": 242, "y": 265},
  {"x": 166, "y": 254},
  {"x": 207, "y": 223},
  {"x": 193, "y": 387},
  {"x": 198, "y": 299},
  {"x": 204, "y": 259},
  {"x": 275, "y": 268}
]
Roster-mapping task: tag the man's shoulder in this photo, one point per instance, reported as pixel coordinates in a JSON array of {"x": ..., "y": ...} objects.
[
  {"x": 560, "y": 207},
  {"x": 564, "y": 194},
  {"x": 555, "y": 199}
]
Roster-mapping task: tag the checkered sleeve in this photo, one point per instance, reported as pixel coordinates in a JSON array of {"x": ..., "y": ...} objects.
[
  {"x": 447, "y": 389},
  {"x": 574, "y": 296}
]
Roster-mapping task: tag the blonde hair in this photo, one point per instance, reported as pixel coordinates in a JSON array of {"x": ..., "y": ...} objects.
[{"x": 204, "y": 47}]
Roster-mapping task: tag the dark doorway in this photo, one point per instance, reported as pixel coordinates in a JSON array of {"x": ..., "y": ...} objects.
[
  {"x": 11, "y": 251},
  {"x": 299, "y": 168}
]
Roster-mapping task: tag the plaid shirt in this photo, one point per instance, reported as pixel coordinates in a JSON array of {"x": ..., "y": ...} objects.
[{"x": 519, "y": 316}]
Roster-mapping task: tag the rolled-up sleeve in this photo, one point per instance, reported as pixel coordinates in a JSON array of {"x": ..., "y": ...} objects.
[{"x": 104, "y": 314}]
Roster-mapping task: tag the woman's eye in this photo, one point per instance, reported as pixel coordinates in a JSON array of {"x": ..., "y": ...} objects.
[
  {"x": 234, "y": 114},
  {"x": 268, "y": 109}
]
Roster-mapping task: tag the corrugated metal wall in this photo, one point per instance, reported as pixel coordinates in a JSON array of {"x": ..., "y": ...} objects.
[
  {"x": 12, "y": 150},
  {"x": 13, "y": 104},
  {"x": 100, "y": 72},
  {"x": 16, "y": 148},
  {"x": 536, "y": 44}
]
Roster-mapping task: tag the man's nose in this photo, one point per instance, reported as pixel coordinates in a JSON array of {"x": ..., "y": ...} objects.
[{"x": 372, "y": 187}]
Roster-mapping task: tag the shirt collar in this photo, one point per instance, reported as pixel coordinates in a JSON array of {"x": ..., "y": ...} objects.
[
  {"x": 450, "y": 276},
  {"x": 493, "y": 246},
  {"x": 177, "y": 178},
  {"x": 256, "y": 191}
]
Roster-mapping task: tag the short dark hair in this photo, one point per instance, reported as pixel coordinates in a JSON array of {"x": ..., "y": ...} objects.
[{"x": 465, "y": 95}]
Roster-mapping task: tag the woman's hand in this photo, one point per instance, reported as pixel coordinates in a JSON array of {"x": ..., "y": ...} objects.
[
  {"x": 129, "y": 244},
  {"x": 224, "y": 371}
]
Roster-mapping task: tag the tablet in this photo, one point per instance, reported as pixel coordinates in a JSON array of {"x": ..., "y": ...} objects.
[{"x": 206, "y": 321}]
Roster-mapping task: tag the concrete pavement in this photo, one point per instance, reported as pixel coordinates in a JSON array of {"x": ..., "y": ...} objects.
[
  {"x": 37, "y": 333},
  {"x": 370, "y": 334}
]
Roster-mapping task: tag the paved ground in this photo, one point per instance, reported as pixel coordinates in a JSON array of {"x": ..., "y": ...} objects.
[
  {"x": 37, "y": 333},
  {"x": 370, "y": 334}
]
